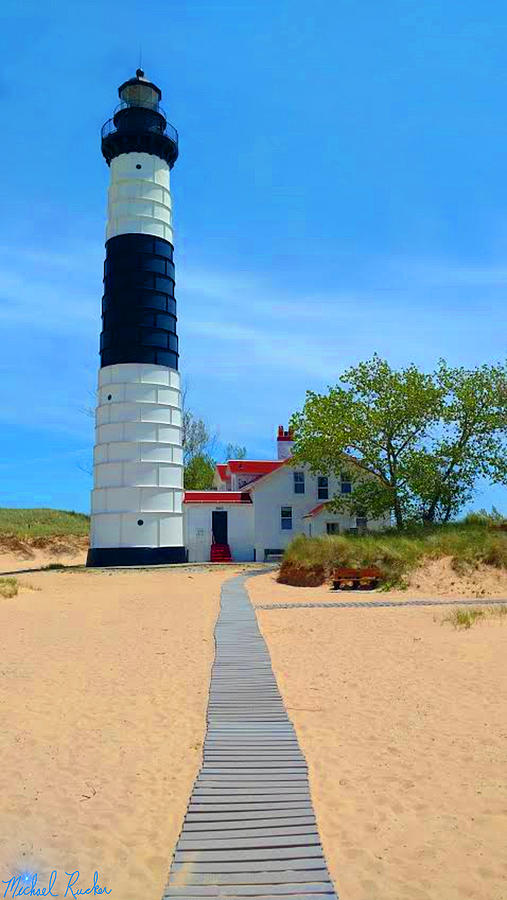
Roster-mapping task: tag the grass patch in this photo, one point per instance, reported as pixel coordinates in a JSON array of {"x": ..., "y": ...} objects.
[
  {"x": 8, "y": 587},
  {"x": 395, "y": 553},
  {"x": 43, "y": 523},
  {"x": 462, "y": 618}
]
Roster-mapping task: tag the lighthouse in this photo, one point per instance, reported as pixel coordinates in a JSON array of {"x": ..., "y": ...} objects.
[{"x": 136, "y": 510}]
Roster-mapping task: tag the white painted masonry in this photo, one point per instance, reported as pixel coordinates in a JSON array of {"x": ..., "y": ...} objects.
[
  {"x": 138, "y": 459},
  {"x": 197, "y": 530},
  {"x": 139, "y": 197}
]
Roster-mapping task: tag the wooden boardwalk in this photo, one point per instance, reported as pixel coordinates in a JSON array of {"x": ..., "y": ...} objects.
[
  {"x": 250, "y": 829},
  {"x": 373, "y": 604}
]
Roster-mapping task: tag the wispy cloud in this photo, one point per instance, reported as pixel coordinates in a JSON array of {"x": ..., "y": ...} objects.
[
  {"x": 246, "y": 338},
  {"x": 49, "y": 292},
  {"x": 250, "y": 345}
]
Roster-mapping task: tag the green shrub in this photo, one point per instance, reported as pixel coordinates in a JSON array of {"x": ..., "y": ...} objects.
[
  {"x": 462, "y": 618},
  {"x": 483, "y": 517},
  {"x": 43, "y": 523},
  {"x": 396, "y": 553},
  {"x": 8, "y": 587}
]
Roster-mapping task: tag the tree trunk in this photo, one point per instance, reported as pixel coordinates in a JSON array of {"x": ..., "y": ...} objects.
[
  {"x": 398, "y": 515},
  {"x": 448, "y": 513}
]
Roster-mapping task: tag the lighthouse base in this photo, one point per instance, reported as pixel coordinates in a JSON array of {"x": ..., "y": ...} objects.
[{"x": 100, "y": 557}]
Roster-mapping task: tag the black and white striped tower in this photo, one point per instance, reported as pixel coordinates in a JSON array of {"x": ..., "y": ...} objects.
[{"x": 138, "y": 461}]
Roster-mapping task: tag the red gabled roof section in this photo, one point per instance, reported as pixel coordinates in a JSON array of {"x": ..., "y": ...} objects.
[
  {"x": 254, "y": 466},
  {"x": 315, "y": 511},
  {"x": 275, "y": 466},
  {"x": 217, "y": 497},
  {"x": 222, "y": 471}
]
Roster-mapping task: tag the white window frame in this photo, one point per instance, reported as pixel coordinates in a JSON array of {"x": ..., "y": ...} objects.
[
  {"x": 300, "y": 482},
  {"x": 319, "y": 488},
  {"x": 285, "y": 518}
]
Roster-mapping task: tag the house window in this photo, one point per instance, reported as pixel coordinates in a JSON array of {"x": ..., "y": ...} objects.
[
  {"x": 299, "y": 482},
  {"x": 361, "y": 523},
  {"x": 333, "y": 527},
  {"x": 286, "y": 518},
  {"x": 346, "y": 483},
  {"x": 322, "y": 487}
]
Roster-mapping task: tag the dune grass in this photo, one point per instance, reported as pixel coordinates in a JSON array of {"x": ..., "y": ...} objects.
[
  {"x": 42, "y": 523},
  {"x": 8, "y": 587},
  {"x": 462, "y": 618},
  {"x": 395, "y": 554}
]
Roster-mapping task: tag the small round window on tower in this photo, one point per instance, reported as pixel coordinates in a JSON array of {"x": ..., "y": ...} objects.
[
  {"x": 138, "y": 166},
  {"x": 140, "y": 521},
  {"x": 109, "y": 396}
]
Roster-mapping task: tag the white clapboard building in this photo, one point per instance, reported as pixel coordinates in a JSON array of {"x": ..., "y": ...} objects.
[{"x": 258, "y": 506}]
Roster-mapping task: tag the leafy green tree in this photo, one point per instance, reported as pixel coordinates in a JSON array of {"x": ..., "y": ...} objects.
[
  {"x": 198, "y": 473},
  {"x": 196, "y": 437},
  {"x": 235, "y": 451},
  {"x": 413, "y": 443}
]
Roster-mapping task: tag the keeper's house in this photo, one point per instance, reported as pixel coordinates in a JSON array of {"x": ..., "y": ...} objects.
[{"x": 258, "y": 506}]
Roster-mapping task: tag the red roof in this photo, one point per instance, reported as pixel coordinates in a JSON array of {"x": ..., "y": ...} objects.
[
  {"x": 222, "y": 471},
  {"x": 316, "y": 510},
  {"x": 217, "y": 497},
  {"x": 254, "y": 466},
  {"x": 252, "y": 485}
]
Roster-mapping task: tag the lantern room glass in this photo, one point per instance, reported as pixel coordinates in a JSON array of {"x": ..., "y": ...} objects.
[{"x": 140, "y": 95}]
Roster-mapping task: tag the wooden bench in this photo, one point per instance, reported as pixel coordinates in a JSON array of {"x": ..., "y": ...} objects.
[
  {"x": 272, "y": 555},
  {"x": 367, "y": 577}
]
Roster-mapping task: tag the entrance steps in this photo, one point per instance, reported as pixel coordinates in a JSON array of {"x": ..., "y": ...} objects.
[{"x": 220, "y": 553}]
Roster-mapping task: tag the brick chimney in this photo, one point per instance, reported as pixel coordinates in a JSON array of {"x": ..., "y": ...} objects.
[{"x": 284, "y": 442}]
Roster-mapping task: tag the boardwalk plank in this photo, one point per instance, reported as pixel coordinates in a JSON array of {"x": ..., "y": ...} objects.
[
  {"x": 248, "y": 820},
  {"x": 314, "y": 867},
  {"x": 239, "y": 854},
  {"x": 186, "y": 875},
  {"x": 211, "y": 807},
  {"x": 247, "y": 841},
  {"x": 253, "y": 890}
]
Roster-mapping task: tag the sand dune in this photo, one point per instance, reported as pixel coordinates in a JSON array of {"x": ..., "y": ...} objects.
[
  {"x": 435, "y": 579},
  {"x": 18, "y": 553}
]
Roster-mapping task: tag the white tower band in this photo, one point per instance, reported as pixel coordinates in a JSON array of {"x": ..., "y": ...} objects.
[{"x": 138, "y": 460}]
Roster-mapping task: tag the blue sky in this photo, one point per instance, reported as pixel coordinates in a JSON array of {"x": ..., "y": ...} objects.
[{"x": 341, "y": 189}]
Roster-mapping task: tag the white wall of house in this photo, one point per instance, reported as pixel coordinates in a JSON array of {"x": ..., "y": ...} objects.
[
  {"x": 317, "y": 525},
  {"x": 277, "y": 491},
  {"x": 198, "y": 531},
  {"x": 258, "y": 526}
]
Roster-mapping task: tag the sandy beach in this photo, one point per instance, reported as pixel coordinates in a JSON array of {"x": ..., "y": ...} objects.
[
  {"x": 104, "y": 683},
  {"x": 402, "y": 720}
]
